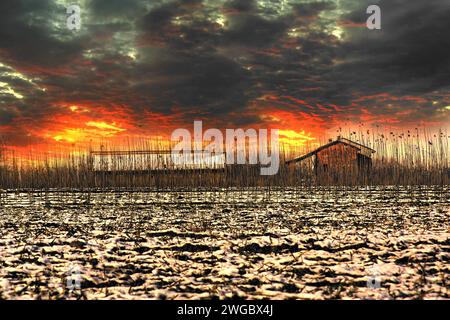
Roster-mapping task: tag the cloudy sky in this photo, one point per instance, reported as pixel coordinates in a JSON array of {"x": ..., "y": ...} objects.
[{"x": 142, "y": 68}]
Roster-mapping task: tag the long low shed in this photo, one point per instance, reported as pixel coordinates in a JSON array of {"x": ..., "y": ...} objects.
[
  {"x": 339, "y": 155},
  {"x": 145, "y": 160}
]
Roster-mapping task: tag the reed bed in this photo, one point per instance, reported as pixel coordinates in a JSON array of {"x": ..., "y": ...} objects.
[{"x": 406, "y": 158}]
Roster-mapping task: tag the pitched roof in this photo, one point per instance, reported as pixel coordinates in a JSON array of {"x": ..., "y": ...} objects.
[{"x": 353, "y": 144}]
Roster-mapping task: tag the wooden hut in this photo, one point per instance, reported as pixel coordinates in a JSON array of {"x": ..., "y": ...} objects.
[
  {"x": 144, "y": 161},
  {"x": 338, "y": 158}
]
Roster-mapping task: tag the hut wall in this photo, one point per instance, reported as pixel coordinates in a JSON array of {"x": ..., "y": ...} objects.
[{"x": 337, "y": 157}]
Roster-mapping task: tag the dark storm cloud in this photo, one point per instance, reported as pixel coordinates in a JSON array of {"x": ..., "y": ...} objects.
[
  {"x": 253, "y": 30},
  {"x": 116, "y": 8},
  {"x": 6, "y": 116},
  {"x": 312, "y": 9},
  {"x": 26, "y": 37},
  {"x": 158, "y": 18},
  {"x": 188, "y": 73},
  {"x": 193, "y": 81},
  {"x": 241, "y": 5},
  {"x": 408, "y": 56}
]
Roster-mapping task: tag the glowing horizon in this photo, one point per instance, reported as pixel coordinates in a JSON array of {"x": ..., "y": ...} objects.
[{"x": 306, "y": 68}]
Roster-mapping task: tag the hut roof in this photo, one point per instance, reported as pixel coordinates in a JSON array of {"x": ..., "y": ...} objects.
[
  {"x": 360, "y": 148},
  {"x": 128, "y": 152}
]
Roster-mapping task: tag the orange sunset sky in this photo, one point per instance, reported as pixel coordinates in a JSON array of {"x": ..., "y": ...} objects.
[{"x": 138, "y": 69}]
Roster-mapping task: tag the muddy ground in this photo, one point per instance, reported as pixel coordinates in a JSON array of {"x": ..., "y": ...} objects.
[{"x": 363, "y": 243}]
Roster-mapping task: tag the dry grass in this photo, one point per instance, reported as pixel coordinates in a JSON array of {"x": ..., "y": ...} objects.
[{"x": 409, "y": 158}]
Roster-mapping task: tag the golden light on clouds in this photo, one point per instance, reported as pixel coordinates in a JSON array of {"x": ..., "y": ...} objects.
[
  {"x": 70, "y": 135},
  {"x": 295, "y": 138},
  {"x": 107, "y": 128},
  {"x": 77, "y": 109},
  {"x": 5, "y": 88},
  {"x": 93, "y": 130}
]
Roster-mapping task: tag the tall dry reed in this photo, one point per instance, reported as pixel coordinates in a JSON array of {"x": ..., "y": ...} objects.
[{"x": 407, "y": 158}]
